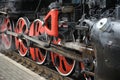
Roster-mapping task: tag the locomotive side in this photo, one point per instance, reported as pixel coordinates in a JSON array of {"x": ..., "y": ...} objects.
[{"x": 69, "y": 34}]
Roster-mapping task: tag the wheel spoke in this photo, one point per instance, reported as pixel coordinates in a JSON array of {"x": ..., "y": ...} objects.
[
  {"x": 6, "y": 39},
  {"x": 38, "y": 54},
  {"x": 63, "y": 65},
  {"x": 67, "y": 66},
  {"x": 22, "y": 27},
  {"x": 23, "y": 48}
]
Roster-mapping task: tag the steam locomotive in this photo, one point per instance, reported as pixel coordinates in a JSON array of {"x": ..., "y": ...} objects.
[{"x": 79, "y": 37}]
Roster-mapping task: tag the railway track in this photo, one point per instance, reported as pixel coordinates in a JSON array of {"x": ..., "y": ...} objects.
[{"x": 41, "y": 70}]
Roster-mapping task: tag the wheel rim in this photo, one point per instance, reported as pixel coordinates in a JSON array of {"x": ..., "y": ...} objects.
[
  {"x": 64, "y": 66},
  {"x": 6, "y": 39},
  {"x": 22, "y": 27},
  {"x": 37, "y": 54},
  {"x": 82, "y": 68}
]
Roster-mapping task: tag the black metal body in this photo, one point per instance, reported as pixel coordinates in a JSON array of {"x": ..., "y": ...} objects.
[{"x": 107, "y": 51}]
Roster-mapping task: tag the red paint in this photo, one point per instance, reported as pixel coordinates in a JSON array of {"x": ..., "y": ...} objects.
[
  {"x": 20, "y": 45},
  {"x": 53, "y": 14},
  {"x": 63, "y": 65},
  {"x": 37, "y": 29},
  {"x": 6, "y": 39}
]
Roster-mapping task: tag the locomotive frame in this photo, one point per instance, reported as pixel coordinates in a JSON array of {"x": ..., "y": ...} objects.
[{"x": 73, "y": 36}]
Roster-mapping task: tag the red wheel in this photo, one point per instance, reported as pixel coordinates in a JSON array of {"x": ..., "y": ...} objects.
[
  {"x": 21, "y": 27},
  {"x": 90, "y": 67},
  {"x": 6, "y": 39},
  {"x": 64, "y": 66},
  {"x": 37, "y": 54}
]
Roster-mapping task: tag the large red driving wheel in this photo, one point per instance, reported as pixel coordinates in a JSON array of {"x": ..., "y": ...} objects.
[
  {"x": 38, "y": 54},
  {"x": 6, "y": 40},
  {"x": 64, "y": 66},
  {"x": 21, "y": 28}
]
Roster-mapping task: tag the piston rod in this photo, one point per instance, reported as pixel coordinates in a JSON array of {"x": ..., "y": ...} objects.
[
  {"x": 65, "y": 51},
  {"x": 56, "y": 49}
]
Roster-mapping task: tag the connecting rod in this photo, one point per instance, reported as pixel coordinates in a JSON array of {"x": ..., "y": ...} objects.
[
  {"x": 64, "y": 51},
  {"x": 54, "y": 48}
]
